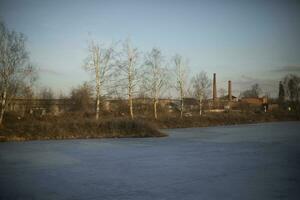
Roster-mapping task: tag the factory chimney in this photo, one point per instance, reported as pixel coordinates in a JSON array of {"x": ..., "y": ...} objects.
[
  {"x": 214, "y": 88},
  {"x": 229, "y": 91}
]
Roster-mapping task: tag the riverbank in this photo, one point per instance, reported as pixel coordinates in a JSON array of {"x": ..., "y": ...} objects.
[
  {"x": 78, "y": 128},
  {"x": 83, "y": 127},
  {"x": 230, "y": 118}
]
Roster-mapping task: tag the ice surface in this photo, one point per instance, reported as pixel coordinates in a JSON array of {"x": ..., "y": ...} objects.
[{"x": 259, "y": 161}]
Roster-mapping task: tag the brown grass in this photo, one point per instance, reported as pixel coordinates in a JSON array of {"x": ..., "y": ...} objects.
[
  {"x": 231, "y": 118},
  {"x": 58, "y": 128},
  {"x": 83, "y": 125}
]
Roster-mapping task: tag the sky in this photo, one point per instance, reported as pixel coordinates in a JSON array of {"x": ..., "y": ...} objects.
[{"x": 244, "y": 41}]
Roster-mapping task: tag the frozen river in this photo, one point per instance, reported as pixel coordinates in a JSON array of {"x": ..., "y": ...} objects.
[{"x": 259, "y": 161}]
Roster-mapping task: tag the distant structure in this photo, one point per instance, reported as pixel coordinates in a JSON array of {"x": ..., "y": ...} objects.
[
  {"x": 255, "y": 101},
  {"x": 229, "y": 91},
  {"x": 214, "y": 88},
  {"x": 222, "y": 101}
]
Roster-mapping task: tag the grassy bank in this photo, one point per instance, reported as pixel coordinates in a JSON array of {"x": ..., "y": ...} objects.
[
  {"x": 72, "y": 126},
  {"x": 231, "y": 118},
  {"x": 79, "y": 128}
]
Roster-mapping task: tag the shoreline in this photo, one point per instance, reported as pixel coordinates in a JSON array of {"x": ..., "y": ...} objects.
[
  {"x": 228, "y": 125},
  {"x": 59, "y": 128},
  {"x": 164, "y": 134},
  {"x": 232, "y": 124},
  {"x": 226, "y": 119}
]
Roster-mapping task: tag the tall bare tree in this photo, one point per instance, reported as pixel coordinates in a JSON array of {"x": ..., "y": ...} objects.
[
  {"x": 255, "y": 91},
  {"x": 81, "y": 97},
  {"x": 100, "y": 63},
  {"x": 201, "y": 84},
  {"x": 155, "y": 76},
  {"x": 292, "y": 86},
  {"x": 180, "y": 76},
  {"x": 14, "y": 68},
  {"x": 129, "y": 70}
]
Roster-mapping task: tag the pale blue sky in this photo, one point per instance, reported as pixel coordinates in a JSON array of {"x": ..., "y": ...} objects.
[{"x": 245, "y": 41}]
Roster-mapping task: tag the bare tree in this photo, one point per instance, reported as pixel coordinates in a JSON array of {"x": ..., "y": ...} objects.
[
  {"x": 99, "y": 62},
  {"x": 47, "y": 95},
  {"x": 27, "y": 94},
  {"x": 155, "y": 76},
  {"x": 292, "y": 86},
  {"x": 180, "y": 76},
  {"x": 14, "y": 68},
  {"x": 81, "y": 97},
  {"x": 201, "y": 84},
  {"x": 143, "y": 90},
  {"x": 255, "y": 91},
  {"x": 129, "y": 72}
]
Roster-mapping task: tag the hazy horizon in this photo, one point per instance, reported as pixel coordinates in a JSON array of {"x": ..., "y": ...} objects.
[{"x": 246, "y": 42}]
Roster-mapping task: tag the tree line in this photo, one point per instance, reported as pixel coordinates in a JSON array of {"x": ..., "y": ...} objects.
[
  {"x": 116, "y": 72},
  {"x": 128, "y": 73}
]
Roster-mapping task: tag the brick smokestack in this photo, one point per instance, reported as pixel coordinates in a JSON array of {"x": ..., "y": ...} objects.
[
  {"x": 214, "y": 88},
  {"x": 229, "y": 91}
]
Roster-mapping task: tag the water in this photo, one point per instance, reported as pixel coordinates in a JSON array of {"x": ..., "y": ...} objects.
[{"x": 260, "y": 161}]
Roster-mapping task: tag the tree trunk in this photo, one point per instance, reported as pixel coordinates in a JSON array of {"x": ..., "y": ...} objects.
[
  {"x": 130, "y": 87},
  {"x": 97, "y": 71},
  {"x": 3, "y": 106},
  {"x": 181, "y": 97},
  {"x": 97, "y": 97},
  {"x": 181, "y": 108},
  {"x": 130, "y": 106},
  {"x": 155, "y": 109},
  {"x": 97, "y": 107},
  {"x": 200, "y": 107}
]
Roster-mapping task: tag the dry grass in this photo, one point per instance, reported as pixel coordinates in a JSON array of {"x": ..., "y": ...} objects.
[
  {"x": 83, "y": 125},
  {"x": 59, "y": 128},
  {"x": 231, "y": 118}
]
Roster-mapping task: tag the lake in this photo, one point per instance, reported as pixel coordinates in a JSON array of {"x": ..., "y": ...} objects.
[{"x": 257, "y": 161}]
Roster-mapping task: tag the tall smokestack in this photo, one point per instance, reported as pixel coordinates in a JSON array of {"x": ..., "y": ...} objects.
[
  {"x": 214, "y": 88},
  {"x": 229, "y": 91}
]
